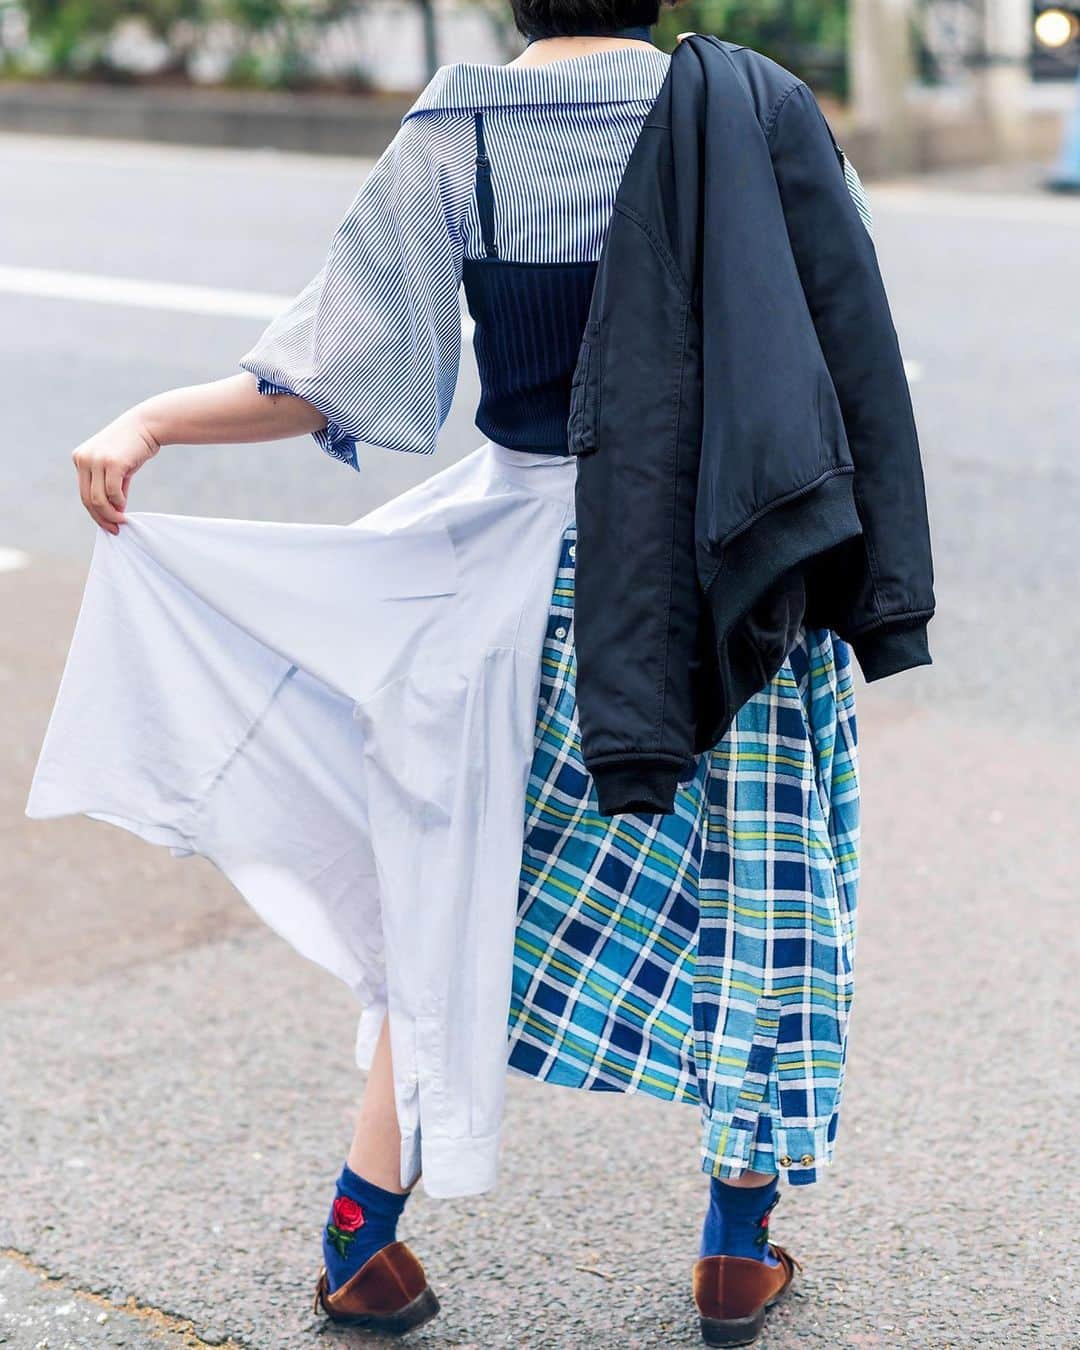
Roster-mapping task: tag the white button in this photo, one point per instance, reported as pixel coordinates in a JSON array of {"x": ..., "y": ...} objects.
[
  {"x": 573, "y": 550},
  {"x": 560, "y": 632}
]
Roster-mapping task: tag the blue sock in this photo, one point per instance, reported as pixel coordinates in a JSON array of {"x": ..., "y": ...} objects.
[
  {"x": 363, "y": 1220},
  {"x": 737, "y": 1221}
]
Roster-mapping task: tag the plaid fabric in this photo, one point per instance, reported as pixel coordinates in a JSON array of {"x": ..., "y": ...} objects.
[{"x": 705, "y": 956}]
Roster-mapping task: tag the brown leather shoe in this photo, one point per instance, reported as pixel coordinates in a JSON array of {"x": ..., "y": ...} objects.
[
  {"x": 733, "y": 1294},
  {"x": 389, "y": 1293}
]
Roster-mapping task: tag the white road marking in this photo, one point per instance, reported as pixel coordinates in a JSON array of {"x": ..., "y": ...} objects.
[
  {"x": 179, "y": 298},
  {"x": 106, "y": 290},
  {"x": 13, "y": 559}
]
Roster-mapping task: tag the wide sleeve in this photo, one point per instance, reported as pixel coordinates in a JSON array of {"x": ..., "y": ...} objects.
[{"x": 374, "y": 340}]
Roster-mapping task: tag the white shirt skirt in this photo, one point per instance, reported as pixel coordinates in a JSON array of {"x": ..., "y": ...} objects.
[{"x": 341, "y": 718}]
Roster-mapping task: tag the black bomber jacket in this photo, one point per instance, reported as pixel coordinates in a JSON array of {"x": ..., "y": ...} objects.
[{"x": 748, "y": 460}]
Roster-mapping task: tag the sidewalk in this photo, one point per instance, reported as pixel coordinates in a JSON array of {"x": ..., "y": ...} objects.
[{"x": 364, "y": 124}]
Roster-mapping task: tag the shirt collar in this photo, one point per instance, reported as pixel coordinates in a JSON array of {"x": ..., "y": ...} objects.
[{"x": 610, "y": 75}]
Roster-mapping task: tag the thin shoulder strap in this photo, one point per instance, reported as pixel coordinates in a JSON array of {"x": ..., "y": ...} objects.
[{"x": 485, "y": 200}]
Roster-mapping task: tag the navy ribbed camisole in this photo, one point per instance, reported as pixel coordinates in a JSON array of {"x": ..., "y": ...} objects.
[{"x": 529, "y": 321}]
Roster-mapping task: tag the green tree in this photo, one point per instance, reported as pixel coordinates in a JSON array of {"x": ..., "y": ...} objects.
[{"x": 807, "y": 36}]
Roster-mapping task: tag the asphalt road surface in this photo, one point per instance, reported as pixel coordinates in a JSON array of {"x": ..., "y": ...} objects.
[{"x": 176, "y": 1085}]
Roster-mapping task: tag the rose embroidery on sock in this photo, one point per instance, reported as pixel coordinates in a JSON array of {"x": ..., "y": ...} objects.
[{"x": 346, "y": 1217}]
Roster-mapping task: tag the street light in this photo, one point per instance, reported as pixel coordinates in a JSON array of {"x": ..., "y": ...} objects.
[
  {"x": 1056, "y": 49},
  {"x": 1057, "y": 32},
  {"x": 1056, "y": 28}
]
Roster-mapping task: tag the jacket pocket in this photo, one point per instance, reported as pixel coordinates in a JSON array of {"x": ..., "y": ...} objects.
[{"x": 584, "y": 419}]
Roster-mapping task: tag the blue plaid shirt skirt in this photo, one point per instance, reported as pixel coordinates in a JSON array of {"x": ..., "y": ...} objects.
[{"x": 704, "y": 956}]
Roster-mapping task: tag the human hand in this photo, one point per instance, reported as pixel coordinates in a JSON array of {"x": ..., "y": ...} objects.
[{"x": 105, "y": 464}]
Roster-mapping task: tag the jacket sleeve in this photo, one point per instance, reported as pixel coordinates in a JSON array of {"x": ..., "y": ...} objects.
[
  {"x": 893, "y": 596},
  {"x": 637, "y": 603}
]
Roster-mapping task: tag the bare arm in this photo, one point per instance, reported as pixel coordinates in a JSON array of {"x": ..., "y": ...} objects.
[{"x": 227, "y": 412}]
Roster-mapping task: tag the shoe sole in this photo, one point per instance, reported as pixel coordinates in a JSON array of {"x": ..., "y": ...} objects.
[
  {"x": 737, "y": 1330},
  {"x": 422, "y": 1309}
]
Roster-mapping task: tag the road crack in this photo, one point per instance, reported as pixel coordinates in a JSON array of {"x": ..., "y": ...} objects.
[{"x": 142, "y": 1312}]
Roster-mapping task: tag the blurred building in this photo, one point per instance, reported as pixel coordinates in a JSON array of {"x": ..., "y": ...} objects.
[
  {"x": 938, "y": 82},
  {"x": 393, "y": 39},
  {"x": 910, "y": 84}
]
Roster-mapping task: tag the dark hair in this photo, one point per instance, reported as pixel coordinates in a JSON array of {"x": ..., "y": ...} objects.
[{"x": 569, "y": 18}]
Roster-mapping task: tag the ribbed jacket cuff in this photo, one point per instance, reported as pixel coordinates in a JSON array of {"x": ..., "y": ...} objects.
[
  {"x": 888, "y": 651},
  {"x": 636, "y": 788}
]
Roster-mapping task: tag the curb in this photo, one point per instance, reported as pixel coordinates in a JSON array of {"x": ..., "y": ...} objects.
[
  {"x": 333, "y": 124},
  {"x": 364, "y": 124}
]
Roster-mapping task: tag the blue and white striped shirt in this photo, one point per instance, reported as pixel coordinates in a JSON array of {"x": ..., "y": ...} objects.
[{"x": 374, "y": 341}]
